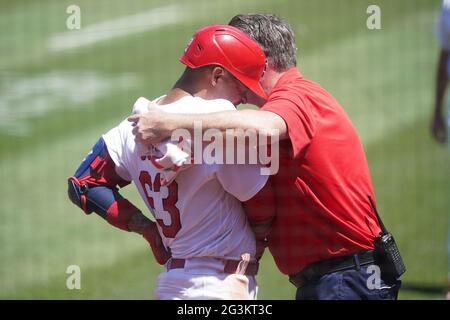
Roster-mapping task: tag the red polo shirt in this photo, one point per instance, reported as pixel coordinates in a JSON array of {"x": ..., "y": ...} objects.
[{"x": 323, "y": 184}]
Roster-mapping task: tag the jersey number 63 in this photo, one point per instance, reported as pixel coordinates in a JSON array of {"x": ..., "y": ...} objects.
[{"x": 168, "y": 203}]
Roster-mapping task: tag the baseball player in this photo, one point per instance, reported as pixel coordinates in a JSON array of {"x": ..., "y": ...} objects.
[
  {"x": 439, "y": 128},
  {"x": 200, "y": 224}
]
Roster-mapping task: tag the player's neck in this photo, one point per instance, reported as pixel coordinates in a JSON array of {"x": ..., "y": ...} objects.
[
  {"x": 173, "y": 95},
  {"x": 189, "y": 84}
]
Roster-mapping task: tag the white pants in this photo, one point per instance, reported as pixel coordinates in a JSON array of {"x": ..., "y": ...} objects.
[{"x": 203, "y": 279}]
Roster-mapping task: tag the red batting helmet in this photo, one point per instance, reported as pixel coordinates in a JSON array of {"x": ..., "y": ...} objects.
[{"x": 231, "y": 49}]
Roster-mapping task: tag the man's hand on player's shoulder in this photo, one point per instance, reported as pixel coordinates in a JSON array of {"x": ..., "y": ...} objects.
[{"x": 153, "y": 126}]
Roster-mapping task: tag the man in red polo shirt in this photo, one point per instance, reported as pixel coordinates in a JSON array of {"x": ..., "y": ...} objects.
[{"x": 325, "y": 227}]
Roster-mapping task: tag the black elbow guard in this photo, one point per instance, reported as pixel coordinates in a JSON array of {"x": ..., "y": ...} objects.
[
  {"x": 79, "y": 183},
  {"x": 78, "y": 194},
  {"x": 89, "y": 176},
  {"x": 91, "y": 198},
  {"x": 93, "y": 187}
]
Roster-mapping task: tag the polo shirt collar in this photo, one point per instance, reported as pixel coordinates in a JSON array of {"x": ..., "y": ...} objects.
[{"x": 287, "y": 77}]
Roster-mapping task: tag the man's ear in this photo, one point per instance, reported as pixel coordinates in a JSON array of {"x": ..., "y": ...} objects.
[{"x": 216, "y": 74}]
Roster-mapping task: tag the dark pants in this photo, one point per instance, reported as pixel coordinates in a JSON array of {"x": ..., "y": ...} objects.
[{"x": 350, "y": 284}]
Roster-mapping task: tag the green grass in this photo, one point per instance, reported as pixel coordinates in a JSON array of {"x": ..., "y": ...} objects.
[{"x": 384, "y": 79}]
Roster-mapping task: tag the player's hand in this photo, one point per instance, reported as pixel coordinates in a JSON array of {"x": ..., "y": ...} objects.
[
  {"x": 439, "y": 129},
  {"x": 160, "y": 253},
  {"x": 151, "y": 127}
]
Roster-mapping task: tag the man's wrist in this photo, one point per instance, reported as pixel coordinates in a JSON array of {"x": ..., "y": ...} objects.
[{"x": 178, "y": 121}]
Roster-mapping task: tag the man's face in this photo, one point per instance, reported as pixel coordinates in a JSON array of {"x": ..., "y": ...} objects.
[
  {"x": 231, "y": 89},
  {"x": 266, "y": 83},
  {"x": 252, "y": 98}
]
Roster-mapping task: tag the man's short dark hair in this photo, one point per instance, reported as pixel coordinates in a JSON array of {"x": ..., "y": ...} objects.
[{"x": 274, "y": 35}]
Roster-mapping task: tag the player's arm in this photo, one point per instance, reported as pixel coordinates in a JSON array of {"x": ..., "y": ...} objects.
[
  {"x": 438, "y": 124},
  {"x": 260, "y": 211},
  {"x": 94, "y": 188},
  {"x": 156, "y": 125}
]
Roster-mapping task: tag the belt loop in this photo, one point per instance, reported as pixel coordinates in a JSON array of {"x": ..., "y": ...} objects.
[
  {"x": 357, "y": 262},
  {"x": 243, "y": 264}
]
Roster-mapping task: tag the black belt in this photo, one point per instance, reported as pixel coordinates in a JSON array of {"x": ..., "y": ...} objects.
[
  {"x": 318, "y": 269},
  {"x": 230, "y": 266}
]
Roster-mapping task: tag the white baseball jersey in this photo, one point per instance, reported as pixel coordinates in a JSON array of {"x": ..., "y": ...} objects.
[
  {"x": 443, "y": 27},
  {"x": 199, "y": 214},
  {"x": 443, "y": 34}
]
